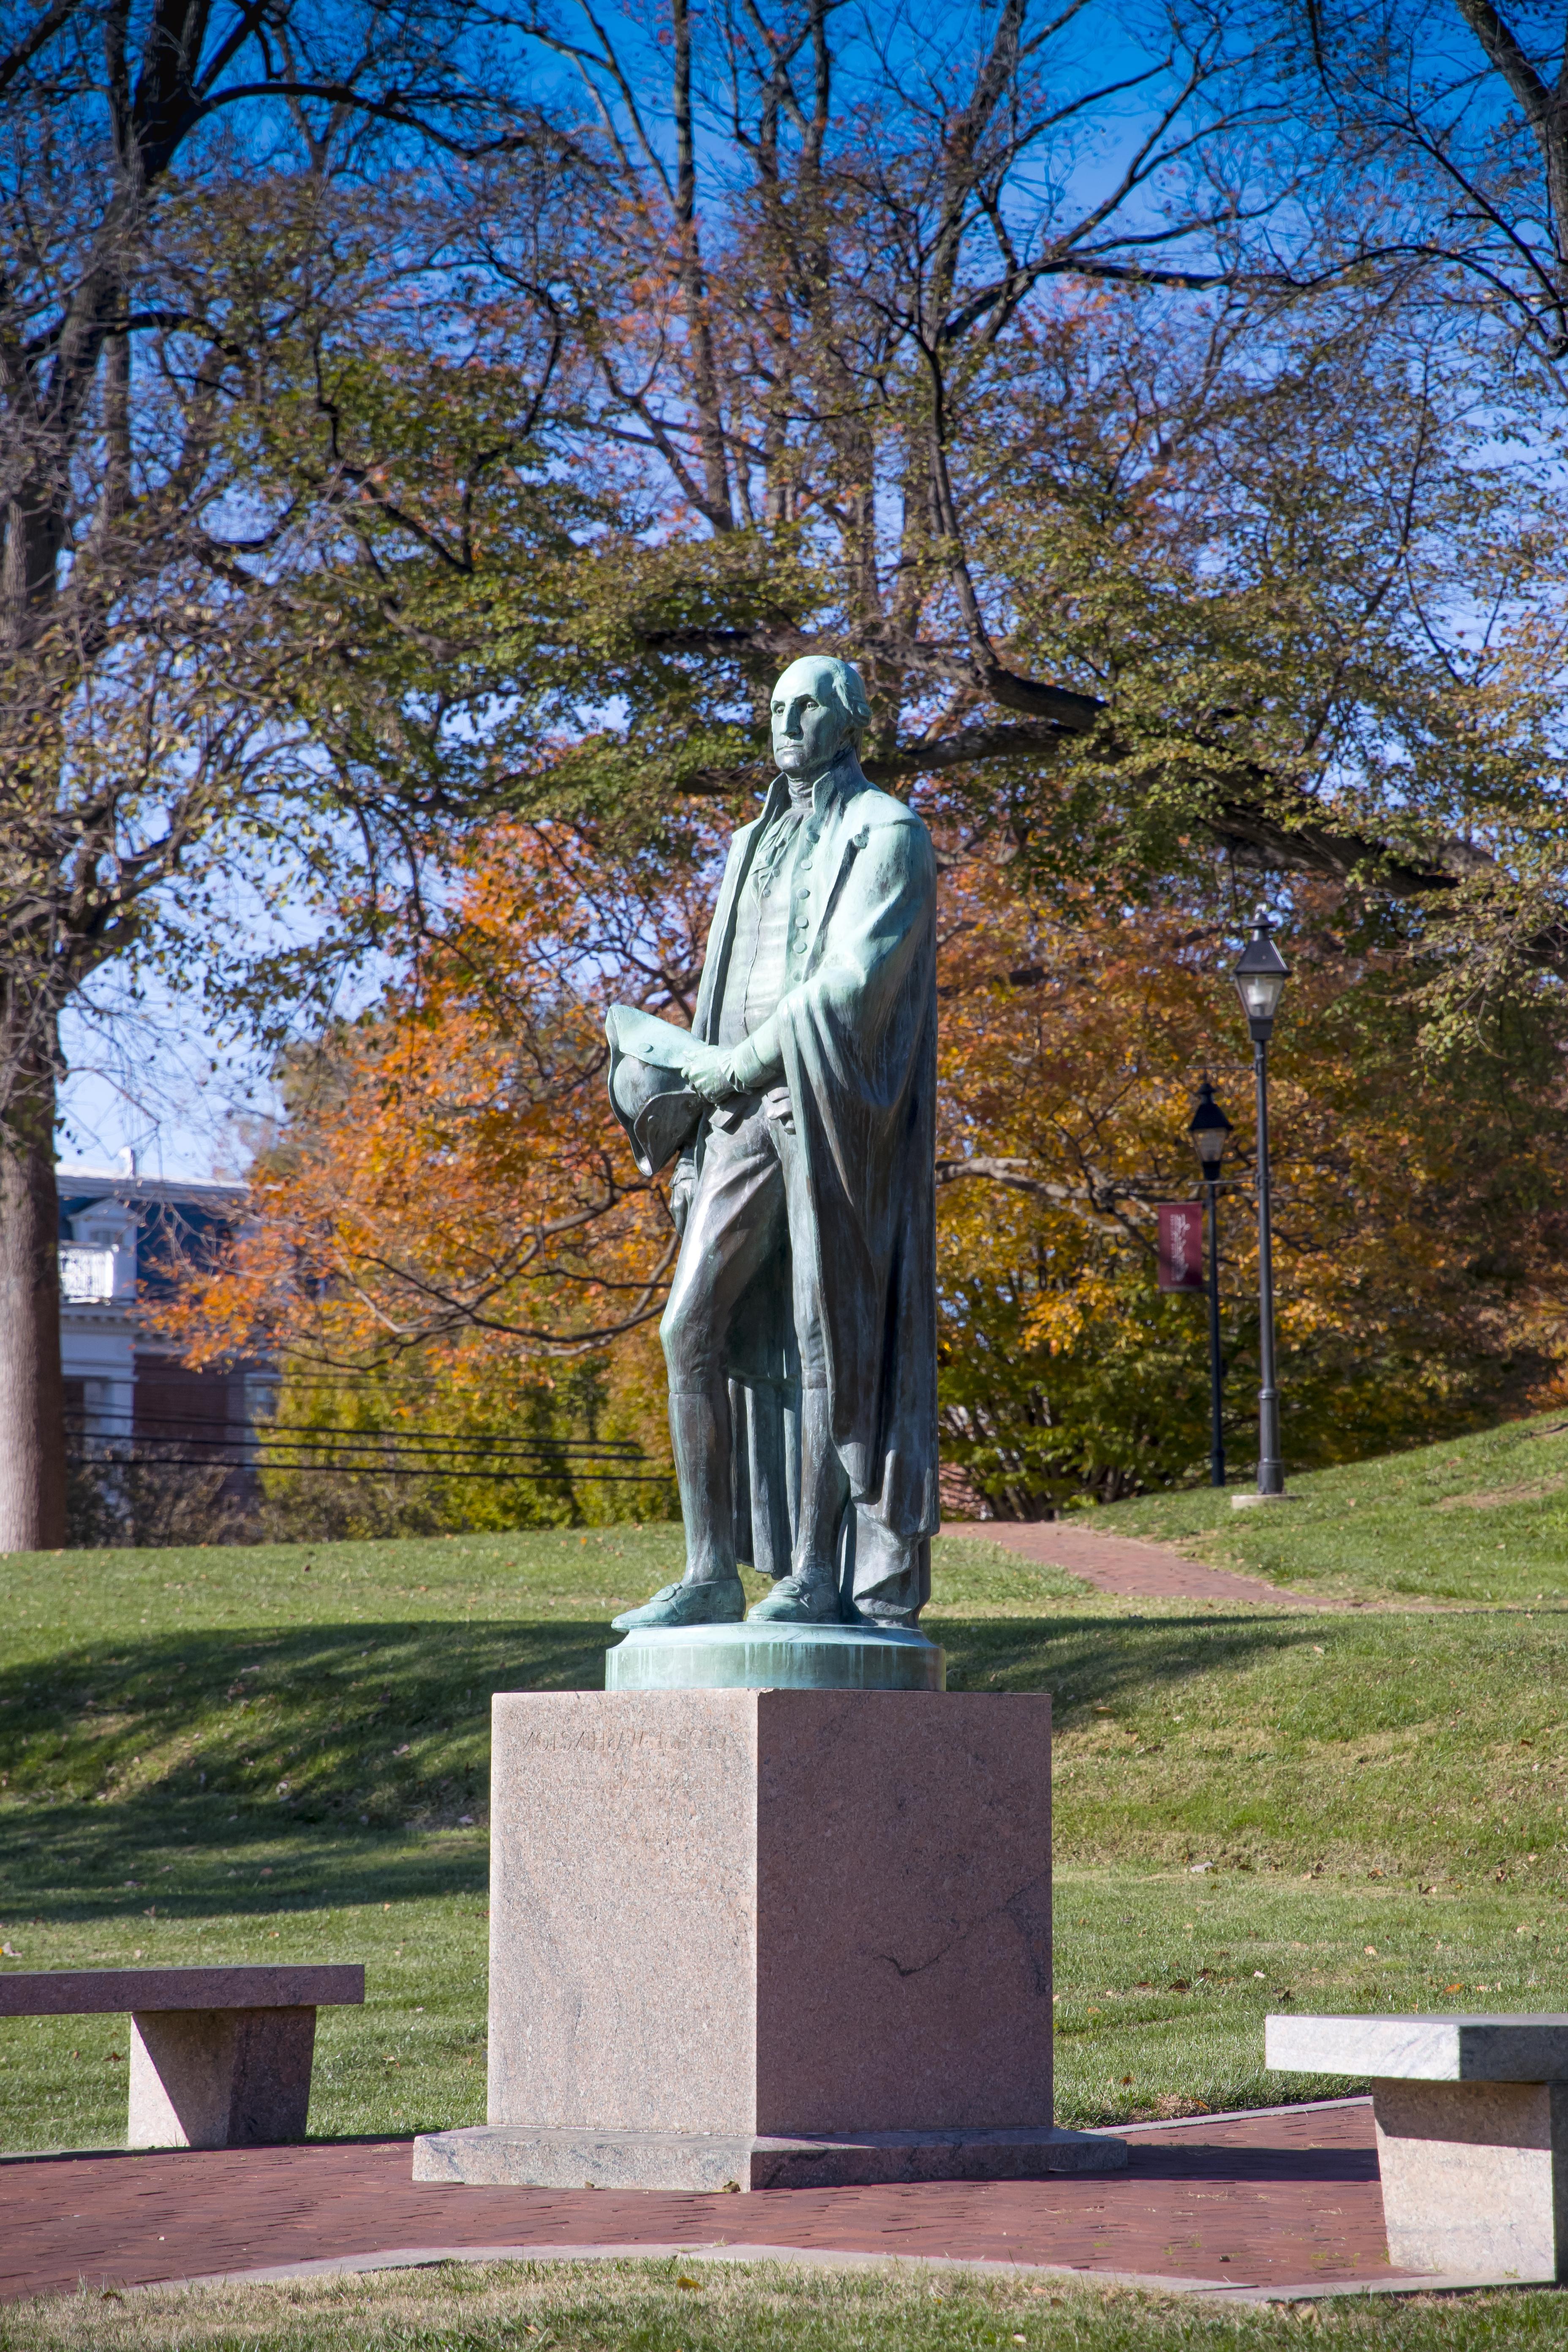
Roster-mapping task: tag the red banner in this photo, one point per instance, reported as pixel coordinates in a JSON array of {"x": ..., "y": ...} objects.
[{"x": 1181, "y": 1245}]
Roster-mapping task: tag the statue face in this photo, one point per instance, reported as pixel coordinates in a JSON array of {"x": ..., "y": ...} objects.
[{"x": 810, "y": 725}]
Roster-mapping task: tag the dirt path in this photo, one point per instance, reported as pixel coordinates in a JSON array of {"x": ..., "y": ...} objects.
[{"x": 1139, "y": 1571}]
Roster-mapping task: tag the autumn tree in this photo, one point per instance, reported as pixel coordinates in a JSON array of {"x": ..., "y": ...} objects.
[
  {"x": 185, "y": 193},
  {"x": 848, "y": 311},
  {"x": 1421, "y": 1252},
  {"x": 448, "y": 1234},
  {"x": 1179, "y": 567},
  {"x": 1262, "y": 531},
  {"x": 449, "y": 1238}
]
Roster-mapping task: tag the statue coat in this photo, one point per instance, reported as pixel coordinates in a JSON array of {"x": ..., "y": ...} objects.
[{"x": 857, "y": 1030}]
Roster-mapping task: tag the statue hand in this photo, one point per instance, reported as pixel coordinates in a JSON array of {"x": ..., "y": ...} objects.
[{"x": 707, "y": 1070}]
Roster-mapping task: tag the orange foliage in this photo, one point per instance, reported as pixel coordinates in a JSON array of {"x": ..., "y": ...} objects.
[
  {"x": 451, "y": 1169},
  {"x": 1419, "y": 1247},
  {"x": 452, "y": 1206},
  {"x": 449, "y": 1234}
]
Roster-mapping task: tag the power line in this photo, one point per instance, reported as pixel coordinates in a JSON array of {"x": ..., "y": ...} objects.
[
  {"x": 264, "y": 1438},
  {"x": 236, "y": 1445},
  {"x": 355, "y": 1469}
]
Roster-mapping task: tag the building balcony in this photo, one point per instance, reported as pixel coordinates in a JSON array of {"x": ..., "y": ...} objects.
[{"x": 89, "y": 1276}]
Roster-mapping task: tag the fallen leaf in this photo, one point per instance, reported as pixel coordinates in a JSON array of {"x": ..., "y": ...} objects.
[
  {"x": 1371, "y": 1952},
  {"x": 690, "y": 2281}
]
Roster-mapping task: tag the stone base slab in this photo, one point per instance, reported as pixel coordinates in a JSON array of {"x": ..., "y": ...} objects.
[
  {"x": 774, "y": 1657},
  {"x": 515, "y": 2156}
]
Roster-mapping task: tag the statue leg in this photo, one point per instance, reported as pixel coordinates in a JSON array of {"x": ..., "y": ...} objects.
[
  {"x": 735, "y": 1220},
  {"x": 809, "y": 1593},
  {"x": 824, "y": 1490}
]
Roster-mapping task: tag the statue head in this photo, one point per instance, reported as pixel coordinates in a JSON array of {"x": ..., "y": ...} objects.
[{"x": 819, "y": 708}]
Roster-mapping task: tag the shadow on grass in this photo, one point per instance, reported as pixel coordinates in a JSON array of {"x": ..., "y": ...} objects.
[
  {"x": 1089, "y": 1662},
  {"x": 210, "y": 1770},
  {"x": 332, "y": 1763}
]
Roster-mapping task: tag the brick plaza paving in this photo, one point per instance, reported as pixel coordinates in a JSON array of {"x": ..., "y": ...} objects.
[
  {"x": 1283, "y": 2199},
  {"x": 1128, "y": 1566}
]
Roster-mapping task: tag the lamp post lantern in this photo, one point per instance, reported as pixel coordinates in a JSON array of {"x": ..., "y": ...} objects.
[
  {"x": 1210, "y": 1132},
  {"x": 1260, "y": 977}
]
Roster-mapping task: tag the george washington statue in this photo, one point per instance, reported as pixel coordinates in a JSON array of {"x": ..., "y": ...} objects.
[{"x": 801, "y": 1330}]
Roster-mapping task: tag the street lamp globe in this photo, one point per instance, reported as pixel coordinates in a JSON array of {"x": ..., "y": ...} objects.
[
  {"x": 1260, "y": 977},
  {"x": 1210, "y": 1132}
]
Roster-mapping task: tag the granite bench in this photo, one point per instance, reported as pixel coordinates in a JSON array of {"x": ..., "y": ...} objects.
[
  {"x": 1472, "y": 2132},
  {"x": 219, "y": 2057}
]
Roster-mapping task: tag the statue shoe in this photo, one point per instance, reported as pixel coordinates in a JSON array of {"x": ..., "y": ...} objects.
[
  {"x": 798, "y": 1601},
  {"x": 721, "y": 1601}
]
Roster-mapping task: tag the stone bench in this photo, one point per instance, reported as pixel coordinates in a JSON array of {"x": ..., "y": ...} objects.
[
  {"x": 219, "y": 2057},
  {"x": 1472, "y": 2132}
]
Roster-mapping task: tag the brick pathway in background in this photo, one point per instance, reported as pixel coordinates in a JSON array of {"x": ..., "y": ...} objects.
[
  {"x": 1279, "y": 2198},
  {"x": 1142, "y": 1571}
]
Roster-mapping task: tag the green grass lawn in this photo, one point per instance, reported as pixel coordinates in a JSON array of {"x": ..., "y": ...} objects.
[
  {"x": 1481, "y": 1519},
  {"x": 205, "y": 1753},
  {"x": 706, "y": 2306}
]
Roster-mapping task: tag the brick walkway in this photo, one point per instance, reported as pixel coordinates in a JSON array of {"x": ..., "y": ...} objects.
[
  {"x": 1142, "y": 1571},
  {"x": 1266, "y": 2201}
]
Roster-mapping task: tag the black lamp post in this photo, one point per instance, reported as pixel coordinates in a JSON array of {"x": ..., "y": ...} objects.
[
  {"x": 1260, "y": 978},
  {"x": 1210, "y": 1132}
]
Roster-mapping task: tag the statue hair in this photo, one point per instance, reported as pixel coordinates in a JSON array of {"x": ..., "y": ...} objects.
[{"x": 848, "y": 690}]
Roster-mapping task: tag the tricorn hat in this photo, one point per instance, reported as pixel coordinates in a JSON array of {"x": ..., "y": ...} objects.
[{"x": 648, "y": 1094}]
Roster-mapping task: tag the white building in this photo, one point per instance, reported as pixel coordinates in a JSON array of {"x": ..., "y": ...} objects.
[{"x": 123, "y": 1238}]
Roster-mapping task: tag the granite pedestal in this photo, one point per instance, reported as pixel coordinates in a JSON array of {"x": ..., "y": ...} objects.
[
  {"x": 767, "y": 1936},
  {"x": 1472, "y": 2132}
]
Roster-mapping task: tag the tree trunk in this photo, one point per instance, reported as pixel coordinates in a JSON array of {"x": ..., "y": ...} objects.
[{"x": 32, "y": 1408}]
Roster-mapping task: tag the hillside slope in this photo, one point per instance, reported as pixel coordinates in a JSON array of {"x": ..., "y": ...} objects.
[{"x": 1481, "y": 1519}]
